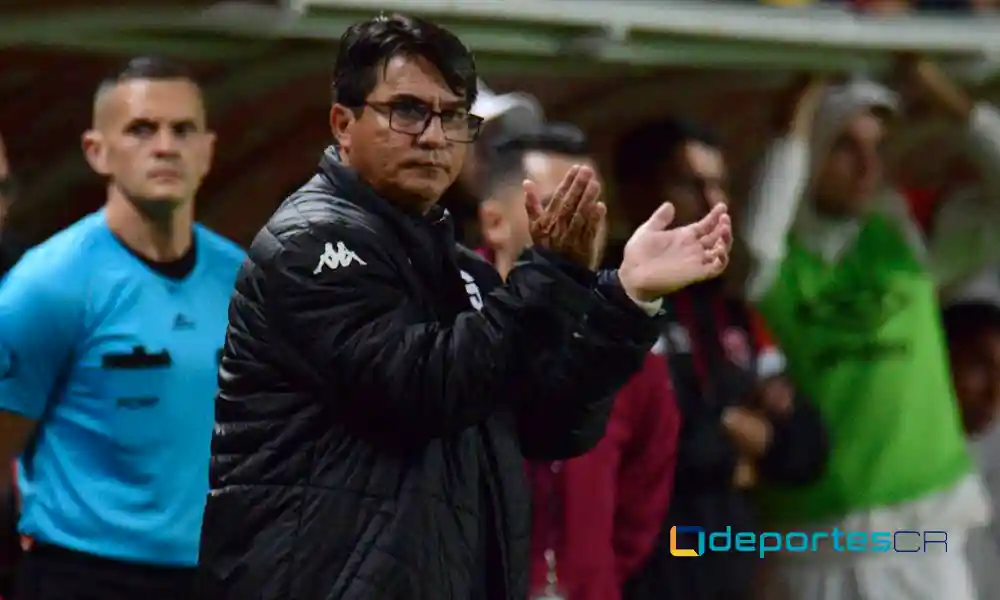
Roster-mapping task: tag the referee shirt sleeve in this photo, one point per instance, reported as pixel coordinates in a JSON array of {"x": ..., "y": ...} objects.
[{"x": 39, "y": 312}]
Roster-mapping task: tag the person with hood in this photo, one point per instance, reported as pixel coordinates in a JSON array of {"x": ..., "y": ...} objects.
[
  {"x": 596, "y": 516},
  {"x": 849, "y": 288},
  {"x": 381, "y": 387}
]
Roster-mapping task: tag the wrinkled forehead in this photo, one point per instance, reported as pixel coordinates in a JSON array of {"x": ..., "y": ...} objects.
[
  {"x": 158, "y": 101},
  {"x": 415, "y": 78}
]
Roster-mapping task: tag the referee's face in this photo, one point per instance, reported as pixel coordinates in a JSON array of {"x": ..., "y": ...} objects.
[{"x": 150, "y": 139}]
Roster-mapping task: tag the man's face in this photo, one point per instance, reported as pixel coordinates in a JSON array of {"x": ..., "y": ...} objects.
[
  {"x": 695, "y": 181},
  {"x": 852, "y": 171},
  {"x": 406, "y": 167},
  {"x": 150, "y": 139},
  {"x": 976, "y": 373}
]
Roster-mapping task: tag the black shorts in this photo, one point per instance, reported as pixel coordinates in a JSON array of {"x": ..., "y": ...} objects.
[{"x": 53, "y": 573}]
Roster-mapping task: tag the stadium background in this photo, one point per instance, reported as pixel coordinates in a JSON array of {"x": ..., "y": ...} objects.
[{"x": 599, "y": 64}]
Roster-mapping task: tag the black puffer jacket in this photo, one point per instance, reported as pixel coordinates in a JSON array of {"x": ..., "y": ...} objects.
[{"x": 376, "y": 404}]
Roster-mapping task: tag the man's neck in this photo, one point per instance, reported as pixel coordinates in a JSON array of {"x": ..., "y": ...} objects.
[
  {"x": 158, "y": 239},
  {"x": 503, "y": 262}
]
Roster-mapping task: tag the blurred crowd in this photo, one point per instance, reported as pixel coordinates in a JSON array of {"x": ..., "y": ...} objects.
[
  {"x": 889, "y": 7},
  {"x": 845, "y": 374},
  {"x": 766, "y": 442}
]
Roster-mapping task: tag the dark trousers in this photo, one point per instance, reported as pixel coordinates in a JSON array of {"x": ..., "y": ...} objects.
[{"x": 53, "y": 573}]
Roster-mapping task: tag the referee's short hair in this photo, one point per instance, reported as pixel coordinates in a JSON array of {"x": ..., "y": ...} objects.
[{"x": 152, "y": 68}]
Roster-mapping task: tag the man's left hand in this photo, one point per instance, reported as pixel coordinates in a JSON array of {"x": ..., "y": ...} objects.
[{"x": 659, "y": 260}]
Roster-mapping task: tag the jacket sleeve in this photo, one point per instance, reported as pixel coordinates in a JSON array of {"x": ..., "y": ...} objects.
[
  {"x": 799, "y": 448},
  {"x": 563, "y": 408},
  {"x": 352, "y": 331},
  {"x": 646, "y": 472}
]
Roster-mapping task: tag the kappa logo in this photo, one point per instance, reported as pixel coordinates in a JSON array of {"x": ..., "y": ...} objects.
[
  {"x": 334, "y": 258},
  {"x": 475, "y": 297}
]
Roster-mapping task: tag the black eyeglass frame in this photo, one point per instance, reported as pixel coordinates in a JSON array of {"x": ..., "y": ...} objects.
[{"x": 474, "y": 123}]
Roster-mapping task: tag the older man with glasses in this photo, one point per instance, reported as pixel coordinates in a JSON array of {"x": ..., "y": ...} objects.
[{"x": 380, "y": 386}]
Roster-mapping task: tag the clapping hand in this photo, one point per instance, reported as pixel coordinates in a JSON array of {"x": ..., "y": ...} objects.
[
  {"x": 658, "y": 260},
  {"x": 569, "y": 224}
]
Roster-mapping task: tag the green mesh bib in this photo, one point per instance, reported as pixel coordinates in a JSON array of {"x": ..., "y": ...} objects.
[{"x": 864, "y": 343}]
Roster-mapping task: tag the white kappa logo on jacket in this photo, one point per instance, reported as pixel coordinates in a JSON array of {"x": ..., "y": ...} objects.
[{"x": 334, "y": 258}]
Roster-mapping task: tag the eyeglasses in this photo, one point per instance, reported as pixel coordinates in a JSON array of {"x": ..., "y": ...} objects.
[{"x": 413, "y": 118}]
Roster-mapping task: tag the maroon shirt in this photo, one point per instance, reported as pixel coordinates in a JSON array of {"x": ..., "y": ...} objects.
[{"x": 603, "y": 511}]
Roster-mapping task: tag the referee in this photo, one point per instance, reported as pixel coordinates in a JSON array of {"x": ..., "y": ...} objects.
[{"x": 109, "y": 338}]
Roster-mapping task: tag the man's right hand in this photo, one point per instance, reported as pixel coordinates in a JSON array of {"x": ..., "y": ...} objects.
[{"x": 569, "y": 225}]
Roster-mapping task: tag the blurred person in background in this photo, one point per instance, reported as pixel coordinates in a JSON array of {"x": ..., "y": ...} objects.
[
  {"x": 542, "y": 156},
  {"x": 849, "y": 287},
  {"x": 503, "y": 115},
  {"x": 972, "y": 329},
  {"x": 743, "y": 423},
  {"x": 10, "y": 249},
  {"x": 110, "y": 333},
  {"x": 385, "y": 378},
  {"x": 595, "y": 517}
]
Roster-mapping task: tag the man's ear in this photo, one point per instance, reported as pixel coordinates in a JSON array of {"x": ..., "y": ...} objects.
[
  {"x": 95, "y": 151},
  {"x": 209, "y": 151},
  {"x": 342, "y": 120},
  {"x": 495, "y": 225}
]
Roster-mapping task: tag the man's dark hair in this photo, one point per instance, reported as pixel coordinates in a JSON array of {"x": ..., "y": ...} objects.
[
  {"x": 506, "y": 158},
  {"x": 967, "y": 319},
  {"x": 641, "y": 154},
  {"x": 153, "y": 68},
  {"x": 368, "y": 46}
]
